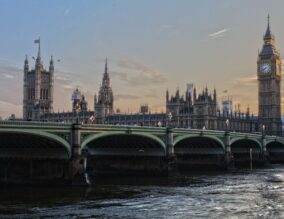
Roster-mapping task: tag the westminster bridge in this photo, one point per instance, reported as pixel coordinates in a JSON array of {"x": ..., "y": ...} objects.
[{"x": 42, "y": 151}]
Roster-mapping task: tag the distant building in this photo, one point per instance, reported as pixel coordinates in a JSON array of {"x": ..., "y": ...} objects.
[
  {"x": 78, "y": 101},
  {"x": 189, "y": 110},
  {"x": 144, "y": 109},
  {"x": 79, "y": 111},
  {"x": 227, "y": 104},
  {"x": 38, "y": 89},
  {"x": 269, "y": 85},
  {"x": 103, "y": 104}
]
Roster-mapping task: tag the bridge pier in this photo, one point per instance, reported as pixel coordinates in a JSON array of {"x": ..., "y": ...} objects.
[
  {"x": 264, "y": 150},
  {"x": 170, "y": 143},
  {"x": 229, "y": 160},
  {"x": 171, "y": 157},
  {"x": 76, "y": 170}
]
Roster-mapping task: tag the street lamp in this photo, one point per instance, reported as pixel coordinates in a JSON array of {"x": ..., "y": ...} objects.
[
  {"x": 227, "y": 124},
  {"x": 170, "y": 116},
  {"x": 263, "y": 129},
  {"x": 159, "y": 124},
  {"x": 78, "y": 110}
]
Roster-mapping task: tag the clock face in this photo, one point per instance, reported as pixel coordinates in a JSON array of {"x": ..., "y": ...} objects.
[{"x": 265, "y": 68}]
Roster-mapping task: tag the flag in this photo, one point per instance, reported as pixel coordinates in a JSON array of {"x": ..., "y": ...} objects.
[{"x": 37, "y": 40}]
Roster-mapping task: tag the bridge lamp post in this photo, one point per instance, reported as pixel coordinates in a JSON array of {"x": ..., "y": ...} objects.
[
  {"x": 78, "y": 110},
  {"x": 228, "y": 151},
  {"x": 263, "y": 130},
  {"x": 264, "y": 149},
  {"x": 169, "y": 136},
  {"x": 227, "y": 125},
  {"x": 159, "y": 124},
  {"x": 170, "y": 116}
]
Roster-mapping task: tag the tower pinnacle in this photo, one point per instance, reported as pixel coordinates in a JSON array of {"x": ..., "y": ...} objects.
[
  {"x": 38, "y": 59},
  {"x": 106, "y": 65},
  {"x": 268, "y": 36}
]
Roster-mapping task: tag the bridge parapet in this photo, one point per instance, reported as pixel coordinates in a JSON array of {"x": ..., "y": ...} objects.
[{"x": 29, "y": 124}]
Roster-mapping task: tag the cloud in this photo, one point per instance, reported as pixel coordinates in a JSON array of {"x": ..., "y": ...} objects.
[
  {"x": 219, "y": 33},
  {"x": 8, "y": 103},
  {"x": 125, "y": 96},
  {"x": 167, "y": 26},
  {"x": 8, "y": 76},
  {"x": 157, "y": 108},
  {"x": 67, "y": 11},
  {"x": 69, "y": 81},
  {"x": 144, "y": 75},
  {"x": 251, "y": 80},
  {"x": 152, "y": 93}
]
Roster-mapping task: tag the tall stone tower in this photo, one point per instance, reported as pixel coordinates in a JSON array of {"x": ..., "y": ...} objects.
[
  {"x": 269, "y": 85},
  {"x": 104, "y": 103},
  {"x": 38, "y": 88}
]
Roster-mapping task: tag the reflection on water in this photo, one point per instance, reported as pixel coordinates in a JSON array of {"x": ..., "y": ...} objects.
[{"x": 241, "y": 194}]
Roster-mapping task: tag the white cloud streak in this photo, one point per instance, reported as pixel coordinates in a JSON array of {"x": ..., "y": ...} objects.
[
  {"x": 219, "y": 33},
  {"x": 144, "y": 75}
]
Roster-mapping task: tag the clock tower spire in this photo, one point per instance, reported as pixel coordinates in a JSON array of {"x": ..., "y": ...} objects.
[{"x": 269, "y": 84}]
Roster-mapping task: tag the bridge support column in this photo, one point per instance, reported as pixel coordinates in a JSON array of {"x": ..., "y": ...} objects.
[
  {"x": 170, "y": 143},
  {"x": 229, "y": 162},
  {"x": 264, "y": 150},
  {"x": 171, "y": 158},
  {"x": 77, "y": 162}
]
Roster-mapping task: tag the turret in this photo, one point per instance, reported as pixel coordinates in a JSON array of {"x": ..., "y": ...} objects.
[
  {"x": 194, "y": 94},
  {"x": 167, "y": 96},
  {"x": 268, "y": 36},
  {"x": 248, "y": 112},
  {"x": 51, "y": 84},
  {"x": 177, "y": 94},
  {"x": 106, "y": 81},
  {"x": 26, "y": 66},
  {"x": 214, "y": 95},
  {"x": 38, "y": 64},
  {"x": 51, "y": 65},
  {"x": 25, "y": 92},
  {"x": 95, "y": 101}
]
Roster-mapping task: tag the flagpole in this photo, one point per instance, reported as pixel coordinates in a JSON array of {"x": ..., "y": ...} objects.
[{"x": 38, "y": 46}]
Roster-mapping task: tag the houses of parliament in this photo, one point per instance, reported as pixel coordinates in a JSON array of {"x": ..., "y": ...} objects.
[{"x": 190, "y": 110}]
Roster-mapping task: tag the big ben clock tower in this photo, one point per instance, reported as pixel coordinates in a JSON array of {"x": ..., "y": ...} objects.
[{"x": 269, "y": 85}]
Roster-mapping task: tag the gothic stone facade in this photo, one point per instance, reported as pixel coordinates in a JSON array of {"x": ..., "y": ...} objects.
[
  {"x": 188, "y": 111},
  {"x": 38, "y": 89},
  {"x": 103, "y": 105},
  {"x": 269, "y": 85}
]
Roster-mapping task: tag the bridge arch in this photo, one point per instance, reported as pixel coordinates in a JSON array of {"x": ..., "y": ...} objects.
[
  {"x": 240, "y": 149},
  {"x": 140, "y": 144},
  {"x": 199, "y": 152},
  {"x": 215, "y": 139},
  {"x": 275, "y": 151},
  {"x": 250, "y": 141},
  {"x": 34, "y": 140}
]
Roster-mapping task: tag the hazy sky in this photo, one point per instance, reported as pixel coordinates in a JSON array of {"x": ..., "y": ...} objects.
[{"x": 150, "y": 45}]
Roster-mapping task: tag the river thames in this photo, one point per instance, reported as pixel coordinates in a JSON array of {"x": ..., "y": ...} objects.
[{"x": 240, "y": 194}]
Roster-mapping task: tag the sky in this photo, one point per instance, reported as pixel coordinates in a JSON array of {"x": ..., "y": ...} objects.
[{"x": 151, "y": 46}]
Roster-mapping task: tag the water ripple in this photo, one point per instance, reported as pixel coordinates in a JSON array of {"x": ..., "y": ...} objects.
[{"x": 242, "y": 194}]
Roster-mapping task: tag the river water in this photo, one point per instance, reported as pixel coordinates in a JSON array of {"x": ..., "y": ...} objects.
[{"x": 241, "y": 194}]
